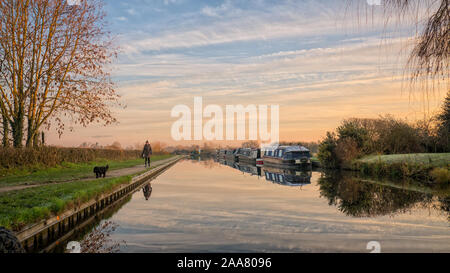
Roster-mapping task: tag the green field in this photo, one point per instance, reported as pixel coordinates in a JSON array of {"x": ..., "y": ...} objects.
[
  {"x": 431, "y": 160},
  {"x": 19, "y": 208},
  {"x": 422, "y": 167},
  {"x": 22, "y": 207},
  {"x": 66, "y": 172}
]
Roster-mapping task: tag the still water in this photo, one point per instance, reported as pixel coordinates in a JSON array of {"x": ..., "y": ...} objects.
[{"x": 206, "y": 206}]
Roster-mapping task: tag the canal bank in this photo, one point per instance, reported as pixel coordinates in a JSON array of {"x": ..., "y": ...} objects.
[
  {"x": 41, "y": 235},
  {"x": 434, "y": 168}
]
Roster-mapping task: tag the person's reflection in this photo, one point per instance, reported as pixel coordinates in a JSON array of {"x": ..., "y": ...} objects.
[{"x": 147, "y": 191}]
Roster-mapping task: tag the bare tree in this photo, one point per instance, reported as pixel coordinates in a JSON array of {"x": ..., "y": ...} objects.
[{"x": 53, "y": 59}]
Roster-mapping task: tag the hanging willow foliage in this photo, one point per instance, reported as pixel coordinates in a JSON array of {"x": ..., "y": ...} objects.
[{"x": 428, "y": 61}]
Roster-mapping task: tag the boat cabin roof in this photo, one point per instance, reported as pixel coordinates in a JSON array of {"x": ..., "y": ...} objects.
[{"x": 288, "y": 149}]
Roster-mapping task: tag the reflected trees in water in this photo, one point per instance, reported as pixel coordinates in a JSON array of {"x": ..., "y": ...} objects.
[{"x": 358, "y": 198}]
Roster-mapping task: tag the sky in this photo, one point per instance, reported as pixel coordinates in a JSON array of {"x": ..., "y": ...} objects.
[{"x": 321, "y": 61}]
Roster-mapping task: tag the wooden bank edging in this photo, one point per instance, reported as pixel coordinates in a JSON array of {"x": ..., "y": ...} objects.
[{"x": 46, "y": 232}]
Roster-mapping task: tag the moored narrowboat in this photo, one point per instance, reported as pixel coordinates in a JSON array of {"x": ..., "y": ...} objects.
[
  {"x": 221, "y": 154},
  {"x": 287, "y": 157},
  {"x": 259, "y": 162},
  {"x": 248, "y": 155},
  {"x": 230, "y": 155}
]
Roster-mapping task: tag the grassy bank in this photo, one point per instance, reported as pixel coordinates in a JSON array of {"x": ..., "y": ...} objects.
[
  {"x": 27, "y": 206},
  {"x": 426, "y": 167},
  {"x": 66, "y": 171},
  {"x": 19, "y": 208}
]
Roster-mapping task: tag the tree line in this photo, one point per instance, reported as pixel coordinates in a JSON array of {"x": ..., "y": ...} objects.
[{"x": 356, "y": 137}]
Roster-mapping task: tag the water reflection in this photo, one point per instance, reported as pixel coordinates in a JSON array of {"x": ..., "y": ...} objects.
[
  {"x": 86, "y": 228},
  {"x": 282, "y": 176},
  {"x": 147, "y": 190},
  {"x": 354, "y": 195},
  {"x": 293, "y": 178},
  {"x": 359, "y": 197},
  {"x": 192, "y": 212},
  {"x": 250, "y": 169},
  {"x": 228, "y": 163}
]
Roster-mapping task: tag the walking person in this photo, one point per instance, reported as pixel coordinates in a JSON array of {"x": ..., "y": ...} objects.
[{"x": 146, "y": 153}]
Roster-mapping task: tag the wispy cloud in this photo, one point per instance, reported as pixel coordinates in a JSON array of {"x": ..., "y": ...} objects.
[
  {"x": 122, "y": 18},
  {"x": 298, "y": 54}
]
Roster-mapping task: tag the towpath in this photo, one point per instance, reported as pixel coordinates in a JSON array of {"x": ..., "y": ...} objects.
[{"x": 115, "y": 173}]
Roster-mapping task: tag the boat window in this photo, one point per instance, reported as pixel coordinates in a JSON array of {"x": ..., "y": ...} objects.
[{"x": 296, "y": 155}]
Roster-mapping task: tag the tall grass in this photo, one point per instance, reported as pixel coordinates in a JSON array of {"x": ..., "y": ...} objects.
[{"x": 11, "y": 158}]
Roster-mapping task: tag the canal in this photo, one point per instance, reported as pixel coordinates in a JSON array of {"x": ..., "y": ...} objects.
[{"x": 207, "y": 206}]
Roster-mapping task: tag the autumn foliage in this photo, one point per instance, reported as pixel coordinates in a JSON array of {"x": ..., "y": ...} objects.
[{"x": 53, "y": 67}]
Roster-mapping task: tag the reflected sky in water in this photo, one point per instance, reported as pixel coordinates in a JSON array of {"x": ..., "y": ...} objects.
[{"x": 209, "y": 207}]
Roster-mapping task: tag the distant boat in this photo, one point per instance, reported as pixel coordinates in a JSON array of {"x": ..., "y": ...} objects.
[
  {"x": 287, "y": 156},
  {"x": 248, "y": 155},
  {"x": 259, "y": 162},
  {"x": 221, "y": 154},
  {"x": 230, "y": 155}
]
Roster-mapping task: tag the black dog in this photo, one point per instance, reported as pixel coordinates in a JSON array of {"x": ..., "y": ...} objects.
[{"x": 101, "y": 171}]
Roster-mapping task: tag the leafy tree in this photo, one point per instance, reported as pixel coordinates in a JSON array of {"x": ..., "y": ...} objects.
[
  {"x": 353, "y": 130},
  {"x": 327, "y": 152},
  {"x": 53, "y": 56},
  {"x": 444, "y": 123}
]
